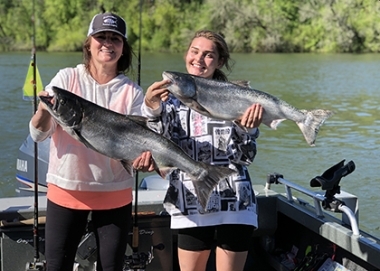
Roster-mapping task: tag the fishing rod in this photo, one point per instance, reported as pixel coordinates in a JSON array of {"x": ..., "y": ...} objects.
[
  {"x": 37, "y": 264},
  {"x": 138, "y": 261},
  {"x": 135, "y": 230},
  {"x": 135, "y": 235}
]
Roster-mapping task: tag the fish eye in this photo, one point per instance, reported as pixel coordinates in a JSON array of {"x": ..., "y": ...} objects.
[{"x": 62, "y": 101}]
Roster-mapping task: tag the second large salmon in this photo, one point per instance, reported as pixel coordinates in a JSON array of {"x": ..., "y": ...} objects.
[{"x": 229, "y": 101}]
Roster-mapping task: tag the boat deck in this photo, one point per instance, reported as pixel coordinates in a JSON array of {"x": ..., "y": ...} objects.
[{"x": 287, "y": 228}]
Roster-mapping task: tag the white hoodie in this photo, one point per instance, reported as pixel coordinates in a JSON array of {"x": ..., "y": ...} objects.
[{"x": 72, "y": 165}]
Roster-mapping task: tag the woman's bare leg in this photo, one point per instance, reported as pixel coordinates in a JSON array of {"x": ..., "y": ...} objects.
[{"x": 193, "y": 260}]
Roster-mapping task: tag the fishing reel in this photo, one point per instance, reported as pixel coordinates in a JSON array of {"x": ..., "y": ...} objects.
[
  {"x": 139, "y": 260},
  {"x": 36, "y": 266},
  {"x": 329, "y": 181}
]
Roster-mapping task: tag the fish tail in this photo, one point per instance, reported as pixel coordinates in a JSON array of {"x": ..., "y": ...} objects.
[
  {"x": 207, "y": 180},
  {"x": 311, "y": 124}
]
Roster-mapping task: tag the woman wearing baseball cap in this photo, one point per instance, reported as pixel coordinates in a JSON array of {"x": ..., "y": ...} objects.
[{"x": 80, "y": 180}]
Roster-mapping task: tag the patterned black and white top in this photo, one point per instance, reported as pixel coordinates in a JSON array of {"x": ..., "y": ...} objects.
[{"x": 215, "y": 142}]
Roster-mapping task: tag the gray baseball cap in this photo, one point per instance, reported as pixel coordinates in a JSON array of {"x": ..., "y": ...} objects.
[{"x": 107, "y": 22}]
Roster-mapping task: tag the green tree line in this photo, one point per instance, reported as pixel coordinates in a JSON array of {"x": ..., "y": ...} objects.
[{"x": 320, "y": 26}]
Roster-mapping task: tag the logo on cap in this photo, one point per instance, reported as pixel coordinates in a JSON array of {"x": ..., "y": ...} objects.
[{"x": 110, "y": 20}]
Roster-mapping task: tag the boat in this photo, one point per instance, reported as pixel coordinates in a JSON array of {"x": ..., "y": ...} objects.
[{"x": 300, "y": 228}]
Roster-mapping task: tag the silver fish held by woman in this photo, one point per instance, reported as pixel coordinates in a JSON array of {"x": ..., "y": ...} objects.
[
  {"x": 229, "y": 101},
  {"x": 124, "y": 138}
]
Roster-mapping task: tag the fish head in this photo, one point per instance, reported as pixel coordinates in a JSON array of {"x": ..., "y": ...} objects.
[
  {"x": 64, "y": 107},
  {"x": 181, "y": 85}
]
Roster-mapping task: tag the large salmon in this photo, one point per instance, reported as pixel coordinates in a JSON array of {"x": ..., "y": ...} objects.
[
  {"x": 124, "y": 138},
  {"x": 229, "y": 101}
]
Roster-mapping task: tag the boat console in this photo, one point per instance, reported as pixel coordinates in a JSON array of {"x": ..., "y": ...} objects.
[{"x": 309, "y": 238}]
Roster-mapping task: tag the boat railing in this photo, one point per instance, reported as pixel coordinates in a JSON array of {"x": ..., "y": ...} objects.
[{"x": 345, "y": 203}]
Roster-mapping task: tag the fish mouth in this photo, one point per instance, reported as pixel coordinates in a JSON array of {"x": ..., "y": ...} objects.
[
  {"x": 167, "y": 76},
  {"x": 48, "y": 101}
]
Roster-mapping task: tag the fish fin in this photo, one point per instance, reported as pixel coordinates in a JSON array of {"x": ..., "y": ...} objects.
[
  {"x": 138, "y": 119},
  {"x": 149, "y": 123},
  {"x": 311, "y": 124},
  {"x": 205, "y": 183},
  {"x": 197, "y": 107},
  {"x": 273, "y": 123},
  {"x": 242, "y": 83},
  {"x": 128, "y": 166},
  {"x": 241, "y": 127},
  {"x": 270, "y": 123},
  {"x": 78, "y": 136},
  {"x": 164, "y": 172}
]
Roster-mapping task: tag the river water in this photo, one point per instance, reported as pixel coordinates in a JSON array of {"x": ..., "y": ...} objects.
[{"x": 347, "y": 84}]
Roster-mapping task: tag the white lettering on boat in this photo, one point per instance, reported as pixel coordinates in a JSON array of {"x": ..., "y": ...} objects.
[
  {"x": 143, "y": 232},
  {"x": 28, "y": 241},
  {"x": 22, "y": 165}
]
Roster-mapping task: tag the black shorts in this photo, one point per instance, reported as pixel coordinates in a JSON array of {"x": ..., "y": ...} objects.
[{"x": 229, "y": 237}]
